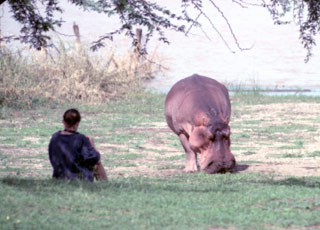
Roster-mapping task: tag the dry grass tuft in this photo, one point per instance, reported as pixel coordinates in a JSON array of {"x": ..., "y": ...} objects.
[{"x": 73, "y": 74}]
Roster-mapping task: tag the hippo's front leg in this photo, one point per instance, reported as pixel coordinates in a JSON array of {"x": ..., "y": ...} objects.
[{"x": 191, "y": 164}]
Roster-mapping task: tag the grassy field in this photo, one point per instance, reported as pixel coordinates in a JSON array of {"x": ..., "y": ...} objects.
[{"x": 275, "y": 141}]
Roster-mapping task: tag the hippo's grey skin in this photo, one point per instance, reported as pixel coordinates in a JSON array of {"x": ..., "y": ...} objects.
[{"x": 198, "y": 110}]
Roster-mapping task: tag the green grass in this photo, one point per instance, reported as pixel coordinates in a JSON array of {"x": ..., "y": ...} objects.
[
  {"x": 314, "y": 154},
  {"x": 249, "y": 99},
  {"x": 177, "y": 157},
  {"x": 299, "y": 155},
  {"x": 249, "y": 153},
  {"x": 290, "y": 155},
  {"x": 295, "y": 145},
  {"x": 187, "y": 201},
  {"x": 148, "y": 189}
]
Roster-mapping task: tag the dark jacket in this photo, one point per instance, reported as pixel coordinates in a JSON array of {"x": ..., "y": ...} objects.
[{"x": 72, "y": 156}]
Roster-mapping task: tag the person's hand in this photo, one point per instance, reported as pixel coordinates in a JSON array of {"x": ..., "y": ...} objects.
[
  {"x": 91, "y": 141},
  {"x": 99, "y": 172}
]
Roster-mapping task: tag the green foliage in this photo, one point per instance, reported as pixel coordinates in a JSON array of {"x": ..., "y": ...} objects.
[
  {"x": 152, "y": 16},
  {"x": 149, "y": 15},
  {"x": 156, "y": 18},
  {"x": 305, "y": 15},
  {"x": 34, "y": 23}
]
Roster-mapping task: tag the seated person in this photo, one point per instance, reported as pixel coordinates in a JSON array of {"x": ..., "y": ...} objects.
[{"x": 72, "y": 154}]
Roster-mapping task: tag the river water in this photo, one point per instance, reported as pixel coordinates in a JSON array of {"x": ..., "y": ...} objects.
[{"x": 275, "y": 59}]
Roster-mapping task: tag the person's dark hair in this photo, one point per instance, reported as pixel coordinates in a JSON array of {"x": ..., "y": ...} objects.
[{"x": 71, "y": 117}]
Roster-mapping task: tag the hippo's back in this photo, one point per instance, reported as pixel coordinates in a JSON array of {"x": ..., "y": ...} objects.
[{"x": 194, "y": 95}]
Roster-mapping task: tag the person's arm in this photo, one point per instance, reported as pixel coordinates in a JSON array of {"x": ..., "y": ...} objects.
[
  {"x": 99, "y": 172},
  {"x": 90, "y": 156}
]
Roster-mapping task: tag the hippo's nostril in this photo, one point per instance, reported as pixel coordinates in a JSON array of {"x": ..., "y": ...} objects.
[{"x": 210, "y": 164}]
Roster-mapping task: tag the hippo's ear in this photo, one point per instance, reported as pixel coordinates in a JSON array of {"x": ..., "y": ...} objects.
[
  {"x": 220, "y": 128},
  {"x": 226, "y": 131},
  {"x": 199, "y": 137}
]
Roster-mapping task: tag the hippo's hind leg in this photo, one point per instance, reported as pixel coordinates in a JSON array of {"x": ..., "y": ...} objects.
[{"x": 191, "y": 164}]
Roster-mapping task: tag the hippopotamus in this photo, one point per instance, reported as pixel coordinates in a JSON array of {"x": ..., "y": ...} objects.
[{"x": 198, "y": 110}]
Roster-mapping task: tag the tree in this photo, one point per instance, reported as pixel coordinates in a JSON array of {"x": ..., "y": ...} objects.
[
  {"x": 34, "y": 23},
  {"x": 37, "y": 18},
  {"x": 156, "y": 19},
  {"x": 306, "y": 15}
]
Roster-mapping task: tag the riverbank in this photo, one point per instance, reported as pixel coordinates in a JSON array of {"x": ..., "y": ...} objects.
[{"x": 163, "y": 84}]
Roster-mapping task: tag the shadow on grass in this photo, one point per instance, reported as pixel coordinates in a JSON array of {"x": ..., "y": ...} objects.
[
  {"x": 240, "y": 167},
  {"x": 308, "y": 182},
  {"x": 138, "y": 184},
  {"x": 200, "y": 183},
  {"x": 35, "y": 185}
]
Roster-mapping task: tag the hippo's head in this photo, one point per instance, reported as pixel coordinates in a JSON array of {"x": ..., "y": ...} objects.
[{"x": 213, "y": 144}]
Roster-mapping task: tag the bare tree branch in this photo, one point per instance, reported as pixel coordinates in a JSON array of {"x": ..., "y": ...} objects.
[
  {"x": 217, "y": 31},
  {"x": 186, "y": 33},
  {"x": 205, "y": 34},
  {"x": 245, "y": 4},
  {"x": 229, "y": 26},
  {"x": 240, "y": 3}
]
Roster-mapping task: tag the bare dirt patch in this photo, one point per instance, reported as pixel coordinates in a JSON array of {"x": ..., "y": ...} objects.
[
  {"x": 278, "y": 138},
  {"x": 285, "y": 139},
  {"x": 281, "y": 139}
]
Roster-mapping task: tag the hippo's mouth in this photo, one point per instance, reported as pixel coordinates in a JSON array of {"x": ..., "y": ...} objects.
[{"x": 213, "y": 168}]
